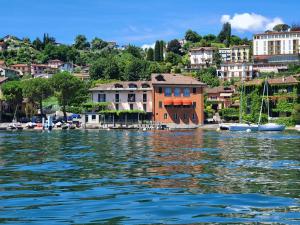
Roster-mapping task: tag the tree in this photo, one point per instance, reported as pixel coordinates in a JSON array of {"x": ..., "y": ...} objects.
[
  {"x": 174, "y": 46},
  {"x": 208, "y": 76},
  {"x": 281, "y": 27},
  {"x": 150, "y": 54},
  {"x": 135, "y": 51},
  {"x": 104, "y": 68},
  {"x": 217, "y": 58},
  {"x": 136, "y": 70},
  {"x": 157, "y": 53},
  {"x": 210, "y": 37},
  {"x": 295, "y": 27},
  {"x": 37, "y": 44},
  {"x": 161, "y": 52},
  {"x": 173, "y": 58},
  {"x": 81, "y": 42},
  {"x": 48, "y": 40},
  {"x": 98, "y": 44},
  {"x": 192, "y": 36},
  {"x": 225, "y": 34},
  {"x": 12, "y": 91},
  {"x": 36, "y": 90},
  {"x": 69, "y": 90}
]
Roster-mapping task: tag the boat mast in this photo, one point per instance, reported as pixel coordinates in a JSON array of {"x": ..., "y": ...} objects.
[
  {"x": 268, "y": 102},
  {"x": 262, "y": 102}
]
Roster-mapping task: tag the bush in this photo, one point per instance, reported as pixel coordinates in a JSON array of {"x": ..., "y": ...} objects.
[{"x": 287, "y": 121}]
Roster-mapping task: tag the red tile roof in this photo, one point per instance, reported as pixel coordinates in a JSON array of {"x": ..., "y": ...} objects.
[
  {"x": 220, "y": 89},
  {"x": 122, "y": 85},
  {"x": 283, "y": 80},
  {"x": 203, "y": 49},
  {"x": 174, "y": 79}
]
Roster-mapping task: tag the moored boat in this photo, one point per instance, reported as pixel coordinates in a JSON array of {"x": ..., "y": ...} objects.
[{"x": 271, "y": 127}]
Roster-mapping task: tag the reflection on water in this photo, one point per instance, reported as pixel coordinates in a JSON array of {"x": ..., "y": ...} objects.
[{"x": 166, "y": 177}]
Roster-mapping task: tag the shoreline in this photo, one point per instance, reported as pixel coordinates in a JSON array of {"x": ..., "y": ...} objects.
[{"x": 3, "y": 127}]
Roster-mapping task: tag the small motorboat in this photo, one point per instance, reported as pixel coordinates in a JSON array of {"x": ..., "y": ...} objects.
[
  {"x": 271, "y": 127},
  {"x": 14, "y": 126}
]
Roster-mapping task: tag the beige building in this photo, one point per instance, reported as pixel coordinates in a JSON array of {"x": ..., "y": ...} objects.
[
  {"x": 201, "y": 57},
  {"x": 232, "y": 70}
]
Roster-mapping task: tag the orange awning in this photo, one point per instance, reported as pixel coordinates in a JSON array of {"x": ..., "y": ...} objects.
[
  {"x": 177, "y": 102},
  {"x": 168, "y": 102},
  {"x": 187, "y": 102}
]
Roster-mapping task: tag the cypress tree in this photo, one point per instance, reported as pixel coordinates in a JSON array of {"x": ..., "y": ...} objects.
[
  {"x": 150, "y": 54},
  {"x": 157, "y": 51},
  {"x": 162, "y": 44}
]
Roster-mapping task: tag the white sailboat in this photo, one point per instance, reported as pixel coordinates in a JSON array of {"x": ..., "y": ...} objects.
[
  {"x": 240, "y": 126},
  {"x": 268, "y": 126}
]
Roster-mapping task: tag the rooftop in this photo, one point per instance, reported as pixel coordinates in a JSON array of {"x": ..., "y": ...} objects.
[
  {"x": 203, "y": 49},
  {"x": 220, "y": 89},
  {"x": 276, "y": 32},
  {"x": 168, "y": 78},
  {"x": 3, "y": 79},
  {"x": 123, "y": 85},
  {"x": 283, "y": 80}
]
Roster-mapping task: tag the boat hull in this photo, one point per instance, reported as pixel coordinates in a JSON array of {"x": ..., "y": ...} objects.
[
  {"x": 271, "y": 127},
  {"x": 243, "y": 127},
  {"x": 239, "y": 127}
]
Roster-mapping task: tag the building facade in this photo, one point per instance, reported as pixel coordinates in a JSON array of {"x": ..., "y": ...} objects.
[
  {"x": 177, "y": 100},
  {"x": 220, "y": 97},
  {"x": 276, "y": 47},
  {"x": 237, "y": 53},
  {"x": 201, "y": 57},
  {"x": 232, "y": 70},
  {"x": 125, "y": 95}
]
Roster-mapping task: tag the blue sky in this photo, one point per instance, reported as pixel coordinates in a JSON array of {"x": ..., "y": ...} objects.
[{"x": 140, "y": 21}]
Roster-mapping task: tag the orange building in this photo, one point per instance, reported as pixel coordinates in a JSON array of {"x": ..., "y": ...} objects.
[{"x": 177, "y": 100}]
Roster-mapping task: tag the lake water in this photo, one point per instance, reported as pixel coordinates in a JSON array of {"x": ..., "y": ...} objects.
[{"x": 162, "y": 177}]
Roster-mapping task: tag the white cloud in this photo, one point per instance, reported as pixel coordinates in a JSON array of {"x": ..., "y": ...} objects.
[
  {"x": 251, "y": 22},
  {"x": 148, "y": 46}
]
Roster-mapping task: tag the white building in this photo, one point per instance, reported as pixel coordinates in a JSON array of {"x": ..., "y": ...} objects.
[
  {"x": 135, "y": 95},
  {"x": 276, "y": 47},
  {"x": 225, "y": 54},
  {"x": 201, "y": 57},
  {"x": 235, "y": 70},
  {"x": 237, "y": 53}
]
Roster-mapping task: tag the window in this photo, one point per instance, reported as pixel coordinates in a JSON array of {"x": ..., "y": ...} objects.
[
  {"x": 131, "y": 106},
  {"x": 86, "y": 118},
  {"x": 118, "y": 86},
  {"x": 145, "y": 107},
  {"x": 144, "y": 97},
  {"x": 185, "y": 116},
  {"x": 168, "y": 91},
  {"x": 193, "y": 116},
  {"x": 165, "y": 116},
  {"x": 175, "y": 116},
  {"x": 160, "y": 90},
  {"x": 186, "y": 92},
  {"x": 194, "y": 105},
  {"x": 194, "y": 90},
  {"x": 132, "y": 85},
  {"x": 160, "y": 104},
  {"x": 145, "y": 85},
  {"x": 177, "y": 92},
  {"x": 131, "y": 97},
  {"x": 101, "y": 97},
  {"x": 117, "y": 97},
  {"x": 93, "y": 117},
  {"x": 117, "y": 106}
]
